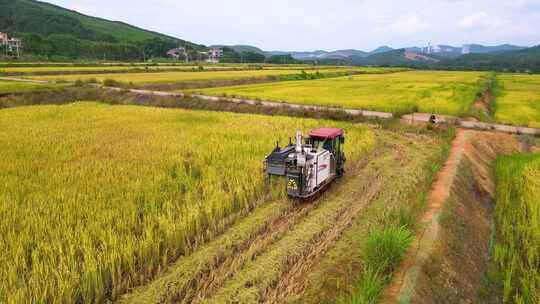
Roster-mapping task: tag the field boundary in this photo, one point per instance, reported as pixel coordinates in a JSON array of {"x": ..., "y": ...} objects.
[
  {"x": 408, "y": 118},
  {"x": 411, "y": 118},
  {"x": 14, "y": 79},
  {"x": 404, "y": 280}
]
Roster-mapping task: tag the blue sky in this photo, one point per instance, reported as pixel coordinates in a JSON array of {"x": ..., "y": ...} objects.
[{"x": 331, "y": 24}]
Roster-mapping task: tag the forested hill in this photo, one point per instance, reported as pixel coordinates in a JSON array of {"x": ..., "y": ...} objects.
[
  {"x": 526, "y": 60},
  {"x": 50, "y": 30}
]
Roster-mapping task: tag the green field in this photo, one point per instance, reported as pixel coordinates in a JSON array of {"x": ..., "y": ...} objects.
[
  {"x": 517, "y": 248},
  {"x": 518, "y": 99},
  {"x": 437, "y": 92},
  {"x": 18, "y": 87},
  {"x": 170, "y": 77},
  {"x": 97, "y": 198}
]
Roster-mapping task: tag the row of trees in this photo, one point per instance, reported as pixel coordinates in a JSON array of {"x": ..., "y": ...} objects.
[
  {"x": 65, "y": 45},
  {"x": 68, "y": 46},
  {"x": 231, "y": 56}
]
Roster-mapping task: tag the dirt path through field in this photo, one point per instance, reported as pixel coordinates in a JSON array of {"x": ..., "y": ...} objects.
[
  {"x": 400, "y": 288},
  {"x": 22, "y": 80}
]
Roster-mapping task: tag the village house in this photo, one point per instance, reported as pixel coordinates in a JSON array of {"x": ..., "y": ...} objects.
[
  {"x": 178, "y": 53},
  {"x": 214, "y": 54},
  {"x": 10, "y": 46}
]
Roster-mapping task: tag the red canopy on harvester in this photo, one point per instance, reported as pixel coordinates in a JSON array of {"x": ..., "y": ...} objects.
[{"x": 328, "y": 133}]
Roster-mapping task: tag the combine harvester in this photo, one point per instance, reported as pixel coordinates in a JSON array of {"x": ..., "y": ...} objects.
[{"x": 309, "y": 166}]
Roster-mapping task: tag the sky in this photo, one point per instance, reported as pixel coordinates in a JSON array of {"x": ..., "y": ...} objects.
[{"x": 303, "y": 25}]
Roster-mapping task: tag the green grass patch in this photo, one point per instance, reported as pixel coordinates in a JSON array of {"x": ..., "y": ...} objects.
[
  {"x": 516, "y": 254},
  {"x": 382, "y": 252}
]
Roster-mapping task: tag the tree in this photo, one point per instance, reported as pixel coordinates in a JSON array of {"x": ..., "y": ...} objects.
[{"x": 281, "y": 59}]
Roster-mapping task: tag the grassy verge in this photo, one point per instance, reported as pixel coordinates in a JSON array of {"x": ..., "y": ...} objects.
[
  {"x": 383, "y": 251},
  {"x": 484, "y": 106},
  {"x": 387, "y": 243}
]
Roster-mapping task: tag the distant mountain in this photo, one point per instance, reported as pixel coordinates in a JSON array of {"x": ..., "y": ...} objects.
[
  {"x": 394, "y": 58},
  {"x": 29, "y": 16},
  {"x": 381, "y": 49},
  {"x": 522, "y": 60},
  {"x": 481, "y": 49},
  {"x": 242, "y": 48},
  {"x": 527, "y": 59},
  {"x": 438, "y": 52}
]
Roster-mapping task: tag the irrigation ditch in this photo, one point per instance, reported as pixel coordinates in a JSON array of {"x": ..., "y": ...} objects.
[{"x": 449, "y": 256}]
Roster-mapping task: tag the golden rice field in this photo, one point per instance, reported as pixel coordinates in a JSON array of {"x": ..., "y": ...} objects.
[
  {"x": 17, "y": 87},
  {"x": 517, "y": 248},
  {"x": 424, "y": 91},
  {"x": 96, "y": 198},
  {"x": 59, "y": 69},
  {"x": 168, "y": 77},
  {"x": 518, "y": 99}
]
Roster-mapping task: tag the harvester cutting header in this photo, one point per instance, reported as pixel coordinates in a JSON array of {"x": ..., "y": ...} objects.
[{"x": 309, "y": 165}]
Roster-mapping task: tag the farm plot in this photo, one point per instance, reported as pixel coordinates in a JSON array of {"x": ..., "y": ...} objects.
[
  {"x": 431, "y": 92},
  {"x": 88, "y": 69},
  {"x": 518, "y": 99},
  {"x": 18, "y": 87},
  {"x": 170, "y": 77},
  {"x": 516, "y": 255},
  {"x": 96, "y": 199}
]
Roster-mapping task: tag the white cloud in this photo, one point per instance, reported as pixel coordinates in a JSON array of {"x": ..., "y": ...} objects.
[
  {"x": 480, "y": 20},
  {"x": 404, "y": 26},
  {"x": 310, "y": 24}
]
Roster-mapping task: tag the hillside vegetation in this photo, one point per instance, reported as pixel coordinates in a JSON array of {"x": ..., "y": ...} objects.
[{"x": 51, "y": 30}]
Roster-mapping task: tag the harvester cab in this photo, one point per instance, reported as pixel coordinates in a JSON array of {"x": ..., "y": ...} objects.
[{"x": 311, "y": 164}]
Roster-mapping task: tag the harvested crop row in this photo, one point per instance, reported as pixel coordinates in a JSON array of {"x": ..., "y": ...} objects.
[
  {"x": 337, "y": 274},
  {"x": 279, "y": 272},
  {"x": 195, "y": 277}
]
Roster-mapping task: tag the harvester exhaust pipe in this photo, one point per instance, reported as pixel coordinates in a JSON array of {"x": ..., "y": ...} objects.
[
  {"x": 300, "y": 155},
  {"x": 298, "y": 141}
]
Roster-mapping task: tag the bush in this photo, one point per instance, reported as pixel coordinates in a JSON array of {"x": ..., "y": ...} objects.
[
  {"x": 111, "y": 83},
  {"x": 368, "y": 289},
  {"x": 385, "y": 248}
]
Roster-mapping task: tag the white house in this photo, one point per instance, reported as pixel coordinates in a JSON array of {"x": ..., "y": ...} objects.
[
  {"x": 10, "y": 45},
  {"x": 214, "y": 54}
]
